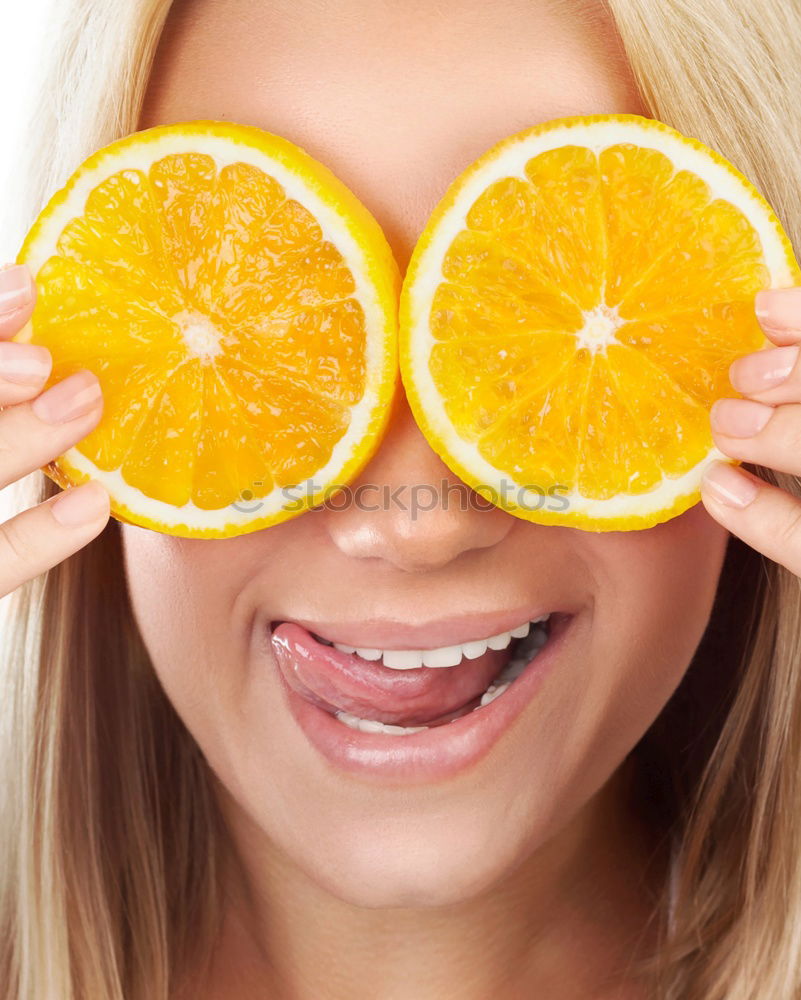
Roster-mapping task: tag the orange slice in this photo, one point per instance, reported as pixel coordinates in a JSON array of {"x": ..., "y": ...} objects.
[
  {"x": 570, "y": 313},
  {"x": 239, "y": 307}
]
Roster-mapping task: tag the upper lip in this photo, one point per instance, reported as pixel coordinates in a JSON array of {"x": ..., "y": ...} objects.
[{"x": 386, "y": 633}]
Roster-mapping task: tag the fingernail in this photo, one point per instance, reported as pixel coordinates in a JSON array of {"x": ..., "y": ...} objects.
[
  {"x": 779, "y": 308},
  {"x": 763, "y": 369},
  {"x": 81, "y": 504},
  {"x": 74, "y": 397},
  {"x": 24, "y": 362},
  {"x": 728, "y": 484},
  {"x": 739, "y": 417},
  {"x": 15, "y": 287}
]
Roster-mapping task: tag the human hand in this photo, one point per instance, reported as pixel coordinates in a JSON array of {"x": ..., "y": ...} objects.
[
  {"x": 35, "y": 428},
  {"x": 763, "y": 429}
]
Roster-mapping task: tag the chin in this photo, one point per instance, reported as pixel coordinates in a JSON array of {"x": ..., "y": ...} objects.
[{"x": 406, "y": 861}]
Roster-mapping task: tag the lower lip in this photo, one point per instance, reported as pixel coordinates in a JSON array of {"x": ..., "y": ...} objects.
[{"x": 434, "y": 754}]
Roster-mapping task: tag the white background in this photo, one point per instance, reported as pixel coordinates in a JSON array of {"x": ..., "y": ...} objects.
[{"x": 23, "y": 40}]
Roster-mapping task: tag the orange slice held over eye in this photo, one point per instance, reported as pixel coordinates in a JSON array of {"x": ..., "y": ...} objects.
[
  {"x": 570, "y": 313},
  {"x": 239, "y": 307}
]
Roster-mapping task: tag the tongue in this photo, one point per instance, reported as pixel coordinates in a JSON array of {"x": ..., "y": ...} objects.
[{"x": 338, "y": 681}]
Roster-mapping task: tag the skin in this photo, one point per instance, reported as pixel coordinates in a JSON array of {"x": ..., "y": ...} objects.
[{"x": 528, "y": 875}]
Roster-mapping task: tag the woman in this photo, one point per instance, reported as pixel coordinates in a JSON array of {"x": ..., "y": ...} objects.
[{"x": 168, "y": 831}]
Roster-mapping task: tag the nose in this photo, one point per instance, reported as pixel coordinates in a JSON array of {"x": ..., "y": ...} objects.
[{"x": 408, "y": 509}]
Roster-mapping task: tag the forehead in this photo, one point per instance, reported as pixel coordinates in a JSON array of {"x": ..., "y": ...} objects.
[{"x": 395, "y": 98}]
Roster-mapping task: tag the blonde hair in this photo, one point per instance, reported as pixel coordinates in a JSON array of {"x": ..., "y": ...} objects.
[{"x": 109, "y": 839}]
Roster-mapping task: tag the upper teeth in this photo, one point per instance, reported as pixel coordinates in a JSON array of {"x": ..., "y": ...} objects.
[{"x": 442, "y": 656}]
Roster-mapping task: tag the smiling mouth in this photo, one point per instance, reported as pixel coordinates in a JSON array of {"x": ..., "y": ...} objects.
[{"x": 404, "y": 691}]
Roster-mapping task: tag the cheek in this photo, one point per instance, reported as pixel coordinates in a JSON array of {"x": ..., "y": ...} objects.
[
  {"x": 182, "y": 604},
  {"x": 651, "y": 614}
]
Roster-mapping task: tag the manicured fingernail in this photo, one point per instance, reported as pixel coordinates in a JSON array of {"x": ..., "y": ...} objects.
[
  {"x": 15, "y": 288},
  {"x": 763, "y": 369},
  {"x": 779, "y": 308},
  {"x": 24, "y": 362},
  {"x": 74, "y": 397},
  {"x": 726, "y": 483},
  {"x": 739, "y": 417},
  {"x": 81, "y": 505}
]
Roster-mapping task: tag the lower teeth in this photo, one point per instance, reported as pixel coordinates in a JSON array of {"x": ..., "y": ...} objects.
[
  {"x": 527, "y": 651},
  {"x": 371, "y": 726}
]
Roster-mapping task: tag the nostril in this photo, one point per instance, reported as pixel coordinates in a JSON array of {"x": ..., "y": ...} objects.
[{"x": 416, "y": 542}]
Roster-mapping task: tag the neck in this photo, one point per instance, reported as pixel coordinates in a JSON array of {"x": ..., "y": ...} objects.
[{"x": 563, "y": 924}]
